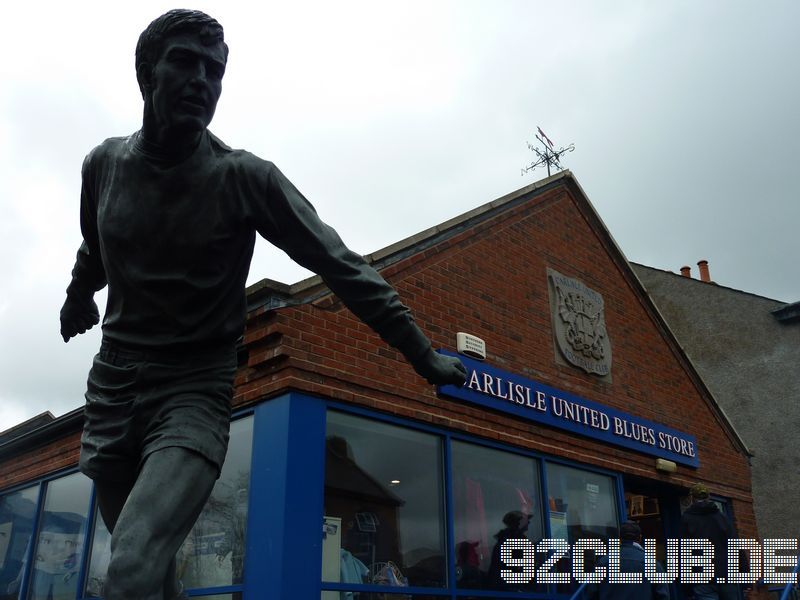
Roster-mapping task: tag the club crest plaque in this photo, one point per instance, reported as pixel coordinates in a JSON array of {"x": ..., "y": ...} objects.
[{"x": 579, "y": 327}]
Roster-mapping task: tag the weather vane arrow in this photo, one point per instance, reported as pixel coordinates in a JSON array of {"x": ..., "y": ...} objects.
[{"x": 550, "y": 156}]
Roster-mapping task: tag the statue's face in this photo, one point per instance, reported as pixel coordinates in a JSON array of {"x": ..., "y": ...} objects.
[{"x": 186, "y": 83}]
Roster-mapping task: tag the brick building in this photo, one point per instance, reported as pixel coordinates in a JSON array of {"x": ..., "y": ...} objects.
[{"x": 346, "y": 471}]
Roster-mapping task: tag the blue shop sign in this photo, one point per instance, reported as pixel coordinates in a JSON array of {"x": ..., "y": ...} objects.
[{"x": 492, "y": 388}]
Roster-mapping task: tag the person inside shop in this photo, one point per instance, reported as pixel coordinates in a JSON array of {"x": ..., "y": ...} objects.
[
  {"x": 468, "y": 563},
  {"x": 169, "y": 216},
  {"x": 704, "y": 520},
  {"x": 516, "y": 527},
  {"x": 631, "y": 561}
]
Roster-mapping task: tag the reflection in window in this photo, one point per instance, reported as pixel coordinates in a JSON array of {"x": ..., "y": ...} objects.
[
  {"x": 583, "y": 504},
  {"x": 383, "y": 519},
  {"x": 495, "y": 497},
  {"x": 60, "y": 540},
  {"x": 213, "y": 553},
  {"x": 101, "y": 552},
  {"x": 17, "y": 511}
]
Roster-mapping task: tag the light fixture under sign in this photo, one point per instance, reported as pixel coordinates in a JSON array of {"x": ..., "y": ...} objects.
[
  {"x": 470, "y": 345},
  {"x": 666, "y": 466}
]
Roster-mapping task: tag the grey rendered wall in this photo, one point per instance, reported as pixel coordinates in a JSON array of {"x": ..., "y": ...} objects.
[{"x": 751, "y": 363}]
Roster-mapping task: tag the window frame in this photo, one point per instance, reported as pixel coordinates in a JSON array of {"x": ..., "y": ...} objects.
[{"x": 448, "y": 436}]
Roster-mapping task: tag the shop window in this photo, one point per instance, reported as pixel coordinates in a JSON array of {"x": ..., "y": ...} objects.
[
  {"x": 213, "y": 553},
  {"x": 383, "y": 515},
  {"x": 59, "y": 543},
  {"x": 17, "y": 514},
  {"x": 582, "y": 504},
  {"x": 496, "y": 497},
  {"x": 100, "y": 553}
]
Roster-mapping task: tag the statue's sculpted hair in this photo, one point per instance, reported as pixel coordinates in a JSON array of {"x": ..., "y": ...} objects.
[{"x": 175, "y": 22}]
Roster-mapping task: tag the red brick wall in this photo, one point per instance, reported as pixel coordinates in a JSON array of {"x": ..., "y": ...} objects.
[{"x": 59, "y": 454}]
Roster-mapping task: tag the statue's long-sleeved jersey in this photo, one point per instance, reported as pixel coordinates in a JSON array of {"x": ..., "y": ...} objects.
[{"x": 174, "y": 244}]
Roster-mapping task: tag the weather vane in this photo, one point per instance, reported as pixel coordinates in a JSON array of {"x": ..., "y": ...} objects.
[{"x": 550, "y": 156}]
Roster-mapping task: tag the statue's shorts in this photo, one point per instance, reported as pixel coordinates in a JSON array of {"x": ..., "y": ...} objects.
[{"x": 140, "y": 402}]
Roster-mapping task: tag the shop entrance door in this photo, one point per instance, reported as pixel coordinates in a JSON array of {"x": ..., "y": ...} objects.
[{"x": 656, "y": 507}]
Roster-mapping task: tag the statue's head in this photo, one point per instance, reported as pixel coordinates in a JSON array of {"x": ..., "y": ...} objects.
[{"x": 180, "y": 61}]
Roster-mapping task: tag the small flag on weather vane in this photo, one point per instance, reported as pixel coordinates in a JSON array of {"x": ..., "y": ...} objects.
[{"x": 541, "y": 133}]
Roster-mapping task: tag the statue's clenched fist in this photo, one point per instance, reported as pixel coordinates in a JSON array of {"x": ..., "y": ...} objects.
[{"x": 77, "y": 316}]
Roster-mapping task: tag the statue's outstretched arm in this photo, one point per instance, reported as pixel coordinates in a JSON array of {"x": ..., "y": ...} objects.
[{"x": 290, "y": 222}]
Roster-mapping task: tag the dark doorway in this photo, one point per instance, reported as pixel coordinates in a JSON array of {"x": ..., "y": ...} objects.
[{"x": 656, "y": 507}]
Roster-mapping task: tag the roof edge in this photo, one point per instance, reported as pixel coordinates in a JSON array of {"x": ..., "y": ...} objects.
[
  {"x": 789, "y": 313},
  {"x": 713, "y": 283},
  {"x": 269, "y": 293},
  {"x": 716, "y": 405},
  {"x": 625, "y": 264},
  {"x": 66, "y": 424}
]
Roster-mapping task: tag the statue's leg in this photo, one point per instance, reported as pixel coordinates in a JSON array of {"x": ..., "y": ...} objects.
[
  {"x": 163, "y": 505},
  {"x": 111, "y": 497},
  {"x": 172, "y": 586}
]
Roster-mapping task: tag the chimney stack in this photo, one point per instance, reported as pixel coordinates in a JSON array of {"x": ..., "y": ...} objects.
[
  {"x": 686, "y": 272},
  {"x": 702, "y": 265}
]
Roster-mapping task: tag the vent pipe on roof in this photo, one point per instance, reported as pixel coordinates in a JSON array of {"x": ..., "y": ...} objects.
[
  {"x": 686, "y": 272},
  {"x": 703, "y": 266}
]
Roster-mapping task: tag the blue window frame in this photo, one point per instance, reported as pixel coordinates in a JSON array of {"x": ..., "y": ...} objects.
[
  {"x": 49, "y": 517},
  {"x": 18, "y": 513}
]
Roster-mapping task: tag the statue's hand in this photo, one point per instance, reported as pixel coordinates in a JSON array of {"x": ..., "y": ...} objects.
[
  {"x": 78, "y": 316},
  {"x": 439, "y": 369}
]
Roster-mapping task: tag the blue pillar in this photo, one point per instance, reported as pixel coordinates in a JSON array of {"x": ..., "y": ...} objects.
[{"x": 284, "y": 535}]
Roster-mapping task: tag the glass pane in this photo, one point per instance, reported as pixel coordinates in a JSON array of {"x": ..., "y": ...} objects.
[
  {"x": 213, "y": 553},
  {"x": 98, "y": 563},
  {"x": 583, "y": 505},
  {"x": 60, "y": 541},
  {"x": 495, "y": 497},
  {"x": 383, "y": 504},
  {"x": 17, "y": 511}
]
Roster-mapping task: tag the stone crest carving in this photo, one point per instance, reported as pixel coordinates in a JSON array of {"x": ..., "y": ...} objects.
[{"x": 579, "y": 327}]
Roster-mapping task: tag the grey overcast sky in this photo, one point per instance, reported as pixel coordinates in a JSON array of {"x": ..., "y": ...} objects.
[{"x": 392, "y": 117}]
